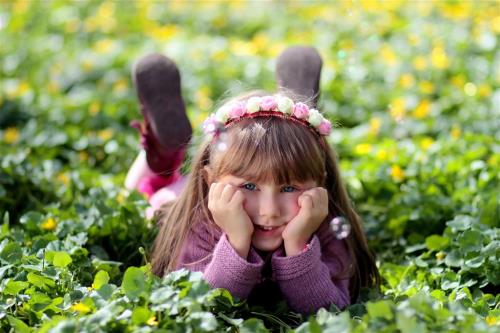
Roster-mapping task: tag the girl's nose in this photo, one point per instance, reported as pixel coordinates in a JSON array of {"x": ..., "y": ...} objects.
[{"x": 269, "y": 206}]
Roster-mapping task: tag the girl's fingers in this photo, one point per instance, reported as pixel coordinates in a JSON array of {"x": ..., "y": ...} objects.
[
  {"x": 227, "y": 193},
  {"x": 214, "y": 192},
  {"x": 237, "y": 199},
  {"x": 306, "y": 201}
]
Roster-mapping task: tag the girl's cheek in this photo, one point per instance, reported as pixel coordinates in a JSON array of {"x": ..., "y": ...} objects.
[
  {"x": 249, "y": 202},
  {"x": 293, "y": 203}
]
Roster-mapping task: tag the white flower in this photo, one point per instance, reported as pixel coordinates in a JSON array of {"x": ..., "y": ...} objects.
[
  {"x": 222, "y": 114},
  {"x": 285, "y": 104},
  {"x": 253, "y": 104},
  {"x": 315, "y": 118}
]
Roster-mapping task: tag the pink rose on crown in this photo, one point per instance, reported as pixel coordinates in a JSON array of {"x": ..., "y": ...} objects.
[
  {"x": 301, "y": 111},
  {"x": 268, "y": 103},
  {"x": 211, "y": 125},
  {"x": 238, "y": 109},
  {"x": 325, "y": 127}
]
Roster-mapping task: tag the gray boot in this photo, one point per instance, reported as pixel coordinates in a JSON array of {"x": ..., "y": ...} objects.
[
  {"x": 298, "y": 70},
  {"x": 166, "y": 129}
]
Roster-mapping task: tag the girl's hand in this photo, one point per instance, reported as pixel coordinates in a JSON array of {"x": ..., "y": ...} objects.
[
  {"x": 313, "y": 205},
  {"x": 225, "y": 202}
]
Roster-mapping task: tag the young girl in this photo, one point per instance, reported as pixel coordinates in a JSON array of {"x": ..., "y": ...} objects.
[
  {"x": 255, "y": 213},
  {"x": 166, "y": 131}
]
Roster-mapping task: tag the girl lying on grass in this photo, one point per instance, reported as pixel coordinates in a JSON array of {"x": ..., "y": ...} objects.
[{"x": 255, "y": 213}]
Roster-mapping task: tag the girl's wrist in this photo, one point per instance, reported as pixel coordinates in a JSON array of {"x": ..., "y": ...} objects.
[
  {"x": 241, "y": 246},
  {"x": 295, "y": 248}
]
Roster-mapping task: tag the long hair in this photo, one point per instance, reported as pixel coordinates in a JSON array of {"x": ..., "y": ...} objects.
[{"x": 263, "y": 149}]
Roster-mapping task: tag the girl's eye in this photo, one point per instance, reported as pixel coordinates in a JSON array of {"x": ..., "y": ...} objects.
[
  {"x": 289, "y": 189},
  {"x": 249, "y": 186}
]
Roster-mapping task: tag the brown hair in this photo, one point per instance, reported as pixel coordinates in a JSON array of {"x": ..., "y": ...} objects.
[{"x": 263, "y": 149}]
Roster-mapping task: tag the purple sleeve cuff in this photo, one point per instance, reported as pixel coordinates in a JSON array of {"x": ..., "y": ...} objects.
[
  {"x": 306, "y": 281},
  {"x": 229, "y": 271}
]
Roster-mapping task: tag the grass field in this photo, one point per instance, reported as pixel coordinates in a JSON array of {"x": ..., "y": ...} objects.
[{"x": 414, "y": 87}]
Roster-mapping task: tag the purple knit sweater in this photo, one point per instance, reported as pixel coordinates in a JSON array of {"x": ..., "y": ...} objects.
[{"x": 308, "y": 281}]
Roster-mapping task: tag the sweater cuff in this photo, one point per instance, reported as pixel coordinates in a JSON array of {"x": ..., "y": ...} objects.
[
  {"x": 287, "y": 268},
  {"x": 230, "y": 271}
]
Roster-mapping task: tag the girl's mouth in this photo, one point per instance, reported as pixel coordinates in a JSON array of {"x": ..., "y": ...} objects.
[
  {"x": 268, "y": 231},
  {"x": 261, "y": 227}
]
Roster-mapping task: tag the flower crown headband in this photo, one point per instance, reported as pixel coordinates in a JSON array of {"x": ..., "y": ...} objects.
[{"x": 273, "y": 106}]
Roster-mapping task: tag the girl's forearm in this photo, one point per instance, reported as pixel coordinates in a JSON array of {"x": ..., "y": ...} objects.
[{"x": 240, "y": 245}]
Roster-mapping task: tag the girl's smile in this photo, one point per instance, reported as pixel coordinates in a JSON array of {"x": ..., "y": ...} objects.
[{"x": 270, "y": 207}]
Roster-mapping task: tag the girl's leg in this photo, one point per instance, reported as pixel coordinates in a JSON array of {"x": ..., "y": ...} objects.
[
  {"x": 298, "y": 70},
  {"x": 165, "y": 131}
]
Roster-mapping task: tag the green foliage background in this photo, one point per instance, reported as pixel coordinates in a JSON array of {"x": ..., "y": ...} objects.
[{"x": 414, "y": 86}]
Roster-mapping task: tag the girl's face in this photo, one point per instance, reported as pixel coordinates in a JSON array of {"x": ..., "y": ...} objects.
[{"x": 270, "y": 206}]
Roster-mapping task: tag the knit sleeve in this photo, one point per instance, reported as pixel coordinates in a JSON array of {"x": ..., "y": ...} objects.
[
  {"x": 311, "y": 279},
  {"x": 221, "y": 265},
  {"x": 230, "y": 271}
]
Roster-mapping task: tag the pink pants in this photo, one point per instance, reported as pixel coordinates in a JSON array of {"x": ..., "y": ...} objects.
[{"x": 159, "y": 190}]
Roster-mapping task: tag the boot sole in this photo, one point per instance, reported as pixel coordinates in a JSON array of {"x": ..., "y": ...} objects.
[
  {"x": 298, "y": 70},
  {"x": 158, "y": 84}
]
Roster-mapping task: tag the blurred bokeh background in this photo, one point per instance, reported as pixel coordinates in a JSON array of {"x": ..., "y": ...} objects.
[{"x": 413, "y": 85}]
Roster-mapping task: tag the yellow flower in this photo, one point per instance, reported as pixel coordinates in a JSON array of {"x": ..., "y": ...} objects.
[
  {"x": 71, "y": 26},
  {"x": 164, "y": 33},
  {"x": 369, "y": 5},
  {"x": 490, "y": 320},
  {"x": 19, "y": 7},
  {"x": 422, "y": 109},
  {"x": 419, "y": 63},
  {"x": 104, "y": 18},
  {"x": 152, "y": 321},
  {"x": 426, "y": 143},
  {"x": 495, "y": 24},
  {"x": 458, "y": 80},
  {"x": 375, "y": 124},
  {"x": 414, "y": 39},
  {"x": 11, "y": 135},
  {"x": 87, "y": 65},
  {"x": 455, "y": 132},
  {"x": 122, "y": 196},
  {"x": 203, "y": 100},
  {"x": 105, "y": 134},
  {"x": 94, "y": 108},
  {"x": 440, "y": 255},
  {"x": 439, "y": 59},
  {"x": 242, "y": 47},
  {"x": 362, "y": 148},
  {"x": 494, "y": 160},
  {"x": 120, "y": 85},
  {"x": 260, "y": 42},
  {"x": 53, "y": 87},
  {"x": 406, "y": 80},
  {"x": 19, "y": 90},
  {"x": 426, "y": 87},
  {"x": 83, "y": 156},
  {"x": 80, "y": 307},
  {"x": 397, "y": 108},
  {"x": 388, "y": 55},
  {"x": 49, "y": 224},
  {"x": 397, "y": 173},
  {"x": 382, "y": 155},
  {"x": 63, "y": 178},
  {"x": 456, "y": 10},
  {"x": 104, "y": 46},
  {"x": 484, "y": 90},
  {"x": 219, "y": 56}
]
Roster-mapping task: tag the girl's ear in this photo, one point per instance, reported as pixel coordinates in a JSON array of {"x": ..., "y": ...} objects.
[{"x": 207, "y": 175}]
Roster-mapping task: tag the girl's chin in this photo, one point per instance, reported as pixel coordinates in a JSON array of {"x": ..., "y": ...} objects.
[{"x": 268, "y": 244}]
